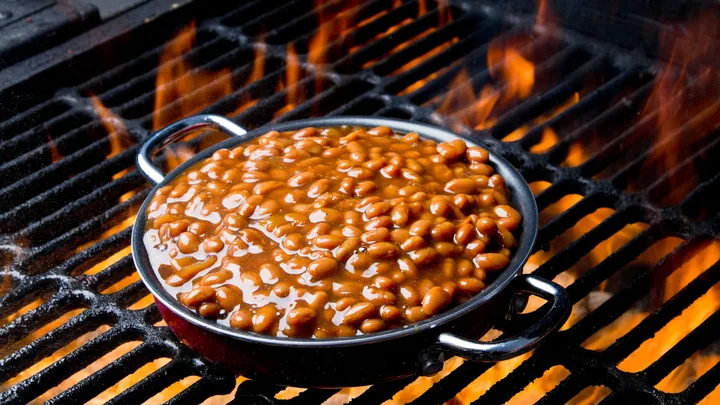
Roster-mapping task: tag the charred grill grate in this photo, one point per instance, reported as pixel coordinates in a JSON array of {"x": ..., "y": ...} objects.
[{"x": 70, "y": 297}]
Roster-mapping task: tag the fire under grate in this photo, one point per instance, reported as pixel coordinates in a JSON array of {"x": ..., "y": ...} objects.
[{"x": 627, "y": 218}]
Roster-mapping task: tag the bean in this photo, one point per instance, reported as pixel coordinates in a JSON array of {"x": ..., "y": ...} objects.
[
  {"x": 347, "y": 185},
  {"x": 424, "y": 285},
  {"x": 443, "y": 231},
  {"x": 480, "y": 169},
  {"x": 416, "y": 209},
  {"x": 327, "y": 242},
  {"x": 321, "y": 228},
  {"x": 374, "y": 164},
  {"x": 491, "y": 261},
  {"x": 294, "y": 241},
  {"x": 318, "y": 188},
  {"x": 390, "y": 313},
  {"x": 399, "y": 215},
  {"x": 318, "y": 301},
  {"x": 189, "y": 271},
  {"x": 266, "y": 187},
  {"x": 365, "y": 203},
  {"x": 415, "y": 314},
  {"x": 376, "y": 235},
  {"x": 346, "y": 331},
  {"x": 424, "y": 256},
  {"x": 242, "y": 319},
  {"x": 322, "y": 268},
  {"x": 217, "y": 277},
  {"x": 378, "y": 296},
  {"x": 439, "y": 206},
  {"x": 509, "y": 217},
  {"x": 408, "y": 268},
  {"x": 409, "y": 295},
  {"x": 435, "y": 300},
  {"x": 399, "y": 235},
  {"x": 247, "y": 208},
  {"x": 188, "y": 243},
  {"x": 380, "y": 131},
  {"x": 413, "y": 243},
  {"x": 360, "y": 261},
  {"x": 345, "y": 303},
  {"x": 470, "y": 285},
  {"x": 359, "y": 312},
  {"x": 464, "y": 234},
  {"x": 457, "y": 186},
  {"x": 264, "y": 319},
  {"x": 301, "y": 317},
  {"x": 377, "y": 209},
  {"x": 306, "y": 133},
  {"x": 477, "y": 155},
  {"x": 364, "y": 188},
  {"x": 421, "y": 228},
  {"x": 450, "y": 287},
  {"x": 474, "y": 248},
  {"x": 372, "y": 325},
  {"x": 209, "y": 310},
  {"x": 411, "y": 137},
  {"x": 505, "y": 238},
  {"x": 449, "y": 151},
  {"x": 198, "y": 295},
  {"x": 228, "y": 296},
  {"x": 328, "y": 215},
  {"x": 282, "y": 289},
  {"x": 352, "y": 231},
  {"x": 346, "y": 249},
  {"x": 486, "y": 226},
  {"x": 384, "y": 282},
  {"x": 301, "y": 179},
  {"x": 379, "y": 222},
  {"x": 445, "y": 248},
  {"x": 383, "y": 250},
  {"x": 178, "y": 227}
]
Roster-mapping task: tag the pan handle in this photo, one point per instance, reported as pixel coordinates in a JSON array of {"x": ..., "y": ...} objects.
[
  {"x": 174, "y": 132},
  {"x": 512, "y": 346}
]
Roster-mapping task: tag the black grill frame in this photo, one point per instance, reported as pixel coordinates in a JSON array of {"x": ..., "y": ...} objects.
[{"x": 47, "y": 267}]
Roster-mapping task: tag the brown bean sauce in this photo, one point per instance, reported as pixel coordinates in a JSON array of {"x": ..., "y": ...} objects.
[{"x": 327, "y": 232}]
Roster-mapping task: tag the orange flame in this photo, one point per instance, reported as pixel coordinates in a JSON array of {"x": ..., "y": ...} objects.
[
  {"x": 515, "y": 76},
  {"x": 518, "y": 72},
  {"x": 257, "y": 73},
  {"x": 182, "y": 91},
  {"x": 115, "y": 127},
  {"x": 55, "y": 154},
  {"x": 687, "y": 56}
]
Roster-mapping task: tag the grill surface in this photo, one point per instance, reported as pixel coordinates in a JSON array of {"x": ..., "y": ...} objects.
[{"x": 70, "y": 190}]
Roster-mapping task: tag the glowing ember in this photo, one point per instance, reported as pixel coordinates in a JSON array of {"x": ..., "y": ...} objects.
[{"x": 514, "y": 77}]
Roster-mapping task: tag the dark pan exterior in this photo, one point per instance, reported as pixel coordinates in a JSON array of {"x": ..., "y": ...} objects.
[{"x": 352, "y": 361}]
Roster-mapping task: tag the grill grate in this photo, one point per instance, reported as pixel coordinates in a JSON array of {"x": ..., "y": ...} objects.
[{"x": 71, "y": 299}]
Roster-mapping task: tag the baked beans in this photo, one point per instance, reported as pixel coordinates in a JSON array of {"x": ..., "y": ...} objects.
[{"x": 328, "y": 232}]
